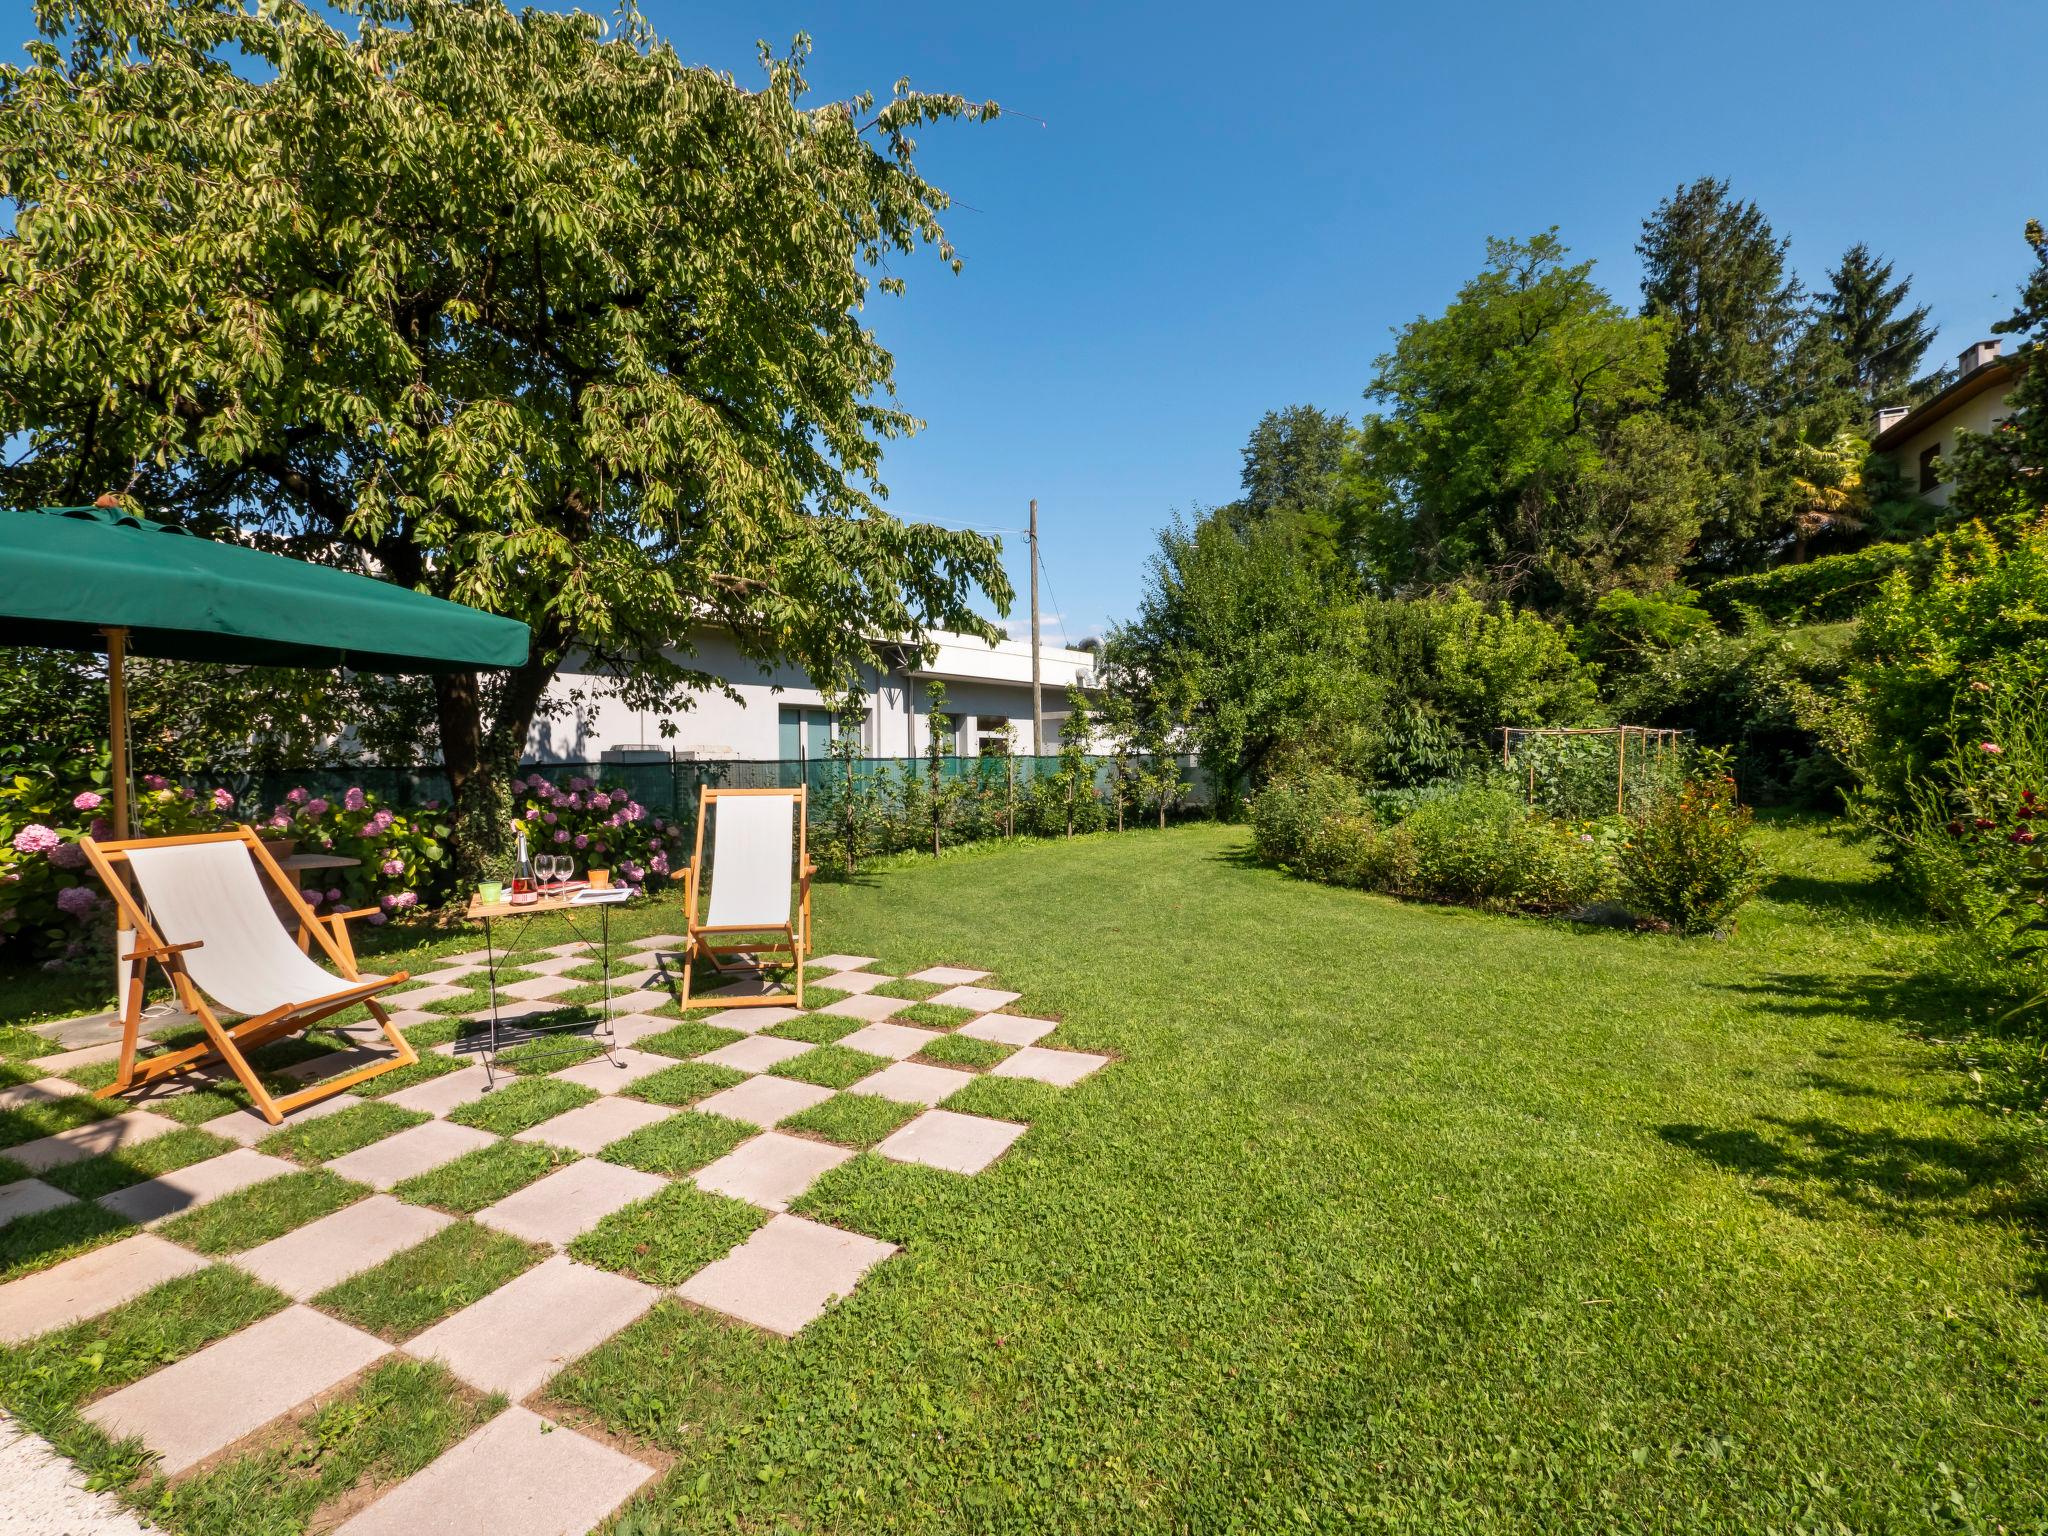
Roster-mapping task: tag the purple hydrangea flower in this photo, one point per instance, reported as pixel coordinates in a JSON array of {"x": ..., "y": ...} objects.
[
  {"x": 77, "y": 900},
  {"x": 68, "y": 856},
  {"x": 550, "y": 818},
  {"x": 561, "y": 834},
  {"x": 155, "y": 781},
  {"x": 582, "y": 840},
  {"x": 334, "y": 893},
  {"x": 377, "y": 919}
]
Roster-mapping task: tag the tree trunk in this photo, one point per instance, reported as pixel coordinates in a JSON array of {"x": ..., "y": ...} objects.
[{"x": 481, "y": 764}]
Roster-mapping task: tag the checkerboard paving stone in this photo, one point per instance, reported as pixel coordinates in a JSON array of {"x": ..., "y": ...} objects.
[
  {"x": 980, "y": 999},
  {"x": 84, "y": 1056},
  {"x": 570, "y": 1201},
  {"x": 912, "y": 1082},
  {"x": 947, "y": 975},
  {"x": 639, "y": 1000},
  {"x": 894, "y": 1041},
  {"x": 90, "y": 1284},
  {"x": 79, "y": 1142},
  {"x": 248, "y": 1127},
  {"x": 463, "y": 976},
  {"x": 632, "y": 1028},
  {"x": 633, "y": 980},
  {"x": 334, "y": 1063},
  {"x": 187, "y": 1188},
  {"x": 786, "y": 1274},
  {"x": 539, "y": 988},
  {"x": 595, "y": 1126},
  {"x": 1007, "y": 1029},
  {"x": 189, "y": 1410},
  {"x": 517, "y": 1476},
  {"x": 41, "y": 1091},
  {"x": 469, "y": 959},
  {"x": 868, "y": 1007},
  {"x": 514, "y": 1012},
  {"x": 438, "y": 1095},
  {"x": 46, "y": 1493},
  {"x": 554, "y": 965},
  {"x": 771, "y": 1170},
  {"x": 27, "y": 1197},
  {"x": 707, "y": 985},
  {"x": 856, "y": 982},
  {"x": 416, "y": 999},
  {"x": 517, "y": 1337},
  {"x": 384, "y": 1163},
  {"x": 749, "y": 1021},
  {"x": 622, "y": 1068},
  {"x": 842, "y": 962},
  {"x": 1060, "y": 1068},
  {"x": 305, "y": 1262},
  {"x": 91, "y": 1028},
  {"x": 757, "y": 1053},
  {"x": 763, "y": 1101},
  {"x": 656, "y": 941},
  {"x": 939, "y": 1138}
]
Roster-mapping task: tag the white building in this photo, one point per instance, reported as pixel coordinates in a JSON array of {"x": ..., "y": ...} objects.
[
  {"x": 781, "y": 716},
  {"x": 1921, "y": 440}
]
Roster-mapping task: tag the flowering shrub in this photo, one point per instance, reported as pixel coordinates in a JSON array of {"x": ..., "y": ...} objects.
[
  {"x": 1687, "y": 862},
  {"x": 403, "y": 859},
  {"x": 600, "y": 827}
]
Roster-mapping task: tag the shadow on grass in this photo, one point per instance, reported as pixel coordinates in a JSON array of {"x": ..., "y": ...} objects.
[{"x": 1859, "y": 897}]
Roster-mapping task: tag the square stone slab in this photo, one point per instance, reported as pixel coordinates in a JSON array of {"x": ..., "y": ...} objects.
[
  {"x": 771, "y": 1170},
  {"x": 939, "y": 1138},
  {"x": 209, "y": 1400},
  {"x": 573, "y": 947},
  {"x": 841, "y": 962},
  {"x": 980, "y": 999},
  {"x": 326, "y": 1252},
  {"x": 90, "y": 1284},
  {"x": 894, "y": 1041},
  {"x": 90, "y": 1140},
  {"x": 517, "y": 1476},
  {"x": 912, "y": 1082},
  {"x": 756, "y": 1054},
  {"x": 659, "y": 941},
  {"x": 554, "y": 965},
  {"x": 631, "y": 979},
  {"x": 438, "y": 1095},
  {"x": 187, "y": 1188},
  {"x": 25, "y": 1197},
  {"x": 948, "y": 975},
  {"x": 47, "y": 1495},
  {"x": 785, "y": 1274},
  {"x": 469, "y": 958},
  {"x": 384, "y": 1163},
  {"x": 463, "y": 976},
  {"x": 83, "y": 1056},
  {"x": 763, "y": 1101},
  {"x": 514, "y": 1339},
  {"x": 248, "y": 1127},
  {"x": 1007, "y": 1029},
  {"x": 868, "y": 1007},
  {"x": 595, "y": 1126},
  {"x": 536, "y": 988},
  {"x": 1060, "y": 1068},
  {"x": 416, "y": 999},
  {"x": 516, "y": 1012},
  {"x": 632, "y": 1028},
  {"x": 850, "y": 981},
  {"x": 610, "y": 1074},
  {"x": 41, "y": 1091},
  {"x": 570, "y": 1201},
  {"x": 639, "y": 1000},
  {"x": 751, "y": 1021},
  {"x": 334, "y": 1063}
]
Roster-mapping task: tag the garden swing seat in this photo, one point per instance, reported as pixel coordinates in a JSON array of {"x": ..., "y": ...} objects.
[
  {"x": 757, "y": 840},
  {"x": 200, "y": 910}
]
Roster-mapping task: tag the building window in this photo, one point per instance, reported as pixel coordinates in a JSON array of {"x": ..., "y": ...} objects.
[
  {"x": 1930, "y": 468},
  {"x": 806, "y": 734},
  {"x": 993, "y": 736}
]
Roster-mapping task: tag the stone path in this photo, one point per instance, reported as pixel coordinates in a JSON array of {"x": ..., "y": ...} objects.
[
  {"x": 520, "y": 1474},
  {"x": 46, "y": 1496}
]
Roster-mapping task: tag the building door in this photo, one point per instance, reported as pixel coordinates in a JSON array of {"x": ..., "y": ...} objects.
[{"x": 805, "y": 740}]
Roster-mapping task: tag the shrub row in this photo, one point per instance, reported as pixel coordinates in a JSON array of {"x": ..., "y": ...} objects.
[{"x": 1832, "y": 587}]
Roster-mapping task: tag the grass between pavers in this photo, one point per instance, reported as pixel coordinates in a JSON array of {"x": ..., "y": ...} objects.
[
  {"x": 45, "y": 1381},
  {"x": 424, "y": 1036},
  {"x": 964, "y": 1051},
  {"x": 10, "y": 1170},
  {"x": 109, "y": 1171},
  {"x": 934, "y": 1015},
  {"x": 32, "y": 1122},
  {"x": 391, "y": 1424},
  {"x": 688, "y": 1039},
  {"x": 819, "y": 997},
  {"x": 1007, "y": 1098},
  {"x": 411, "y": 1291},
  {"x": 817, "y": 1028},
  {"x": 513, "y": 1107},
  {"x": 248, "y": 1218},
  {"x": 853, "y": 1119},
  {"x": 483, "y": 1177},
  {"x": 829, "y": 1066},
  {"x": 556, "y": 1054},
  {"x": 344, "y": 1131},
  {"x": 898, "y": 1202},
  {"x": 666, "y": 1238},
  {"x": 684, "y": 1083},
  {"x": 904, "y": 987},
  {"x": 711, "y": 1385},
  {"x": 682, "y": 1143},
  {"x": 30, "y": 1243}
]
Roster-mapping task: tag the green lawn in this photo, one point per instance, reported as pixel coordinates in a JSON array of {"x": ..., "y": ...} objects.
[{"x": 1384, "y": 1218}]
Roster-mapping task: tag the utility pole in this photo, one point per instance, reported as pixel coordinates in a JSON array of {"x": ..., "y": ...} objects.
[{"x": 1037, "y": 697}]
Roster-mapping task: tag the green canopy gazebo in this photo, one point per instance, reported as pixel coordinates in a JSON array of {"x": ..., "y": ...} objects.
[{"x": 98, "y": 579}]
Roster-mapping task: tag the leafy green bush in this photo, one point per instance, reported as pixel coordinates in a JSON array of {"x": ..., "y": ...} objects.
[
  {"x": 1832, "y": 587},
  {"x": 1312, "y": 825},
  {"x": 1687, "y": 861}
]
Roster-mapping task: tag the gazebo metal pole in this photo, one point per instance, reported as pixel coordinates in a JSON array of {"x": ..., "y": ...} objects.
[{"x": 117, "y": 710}]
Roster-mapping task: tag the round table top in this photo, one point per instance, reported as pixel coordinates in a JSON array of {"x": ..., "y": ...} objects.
[{"x": 319, "y": 861}]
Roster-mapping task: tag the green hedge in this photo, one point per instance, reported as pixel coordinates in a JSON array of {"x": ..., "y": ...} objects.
[{"x": 1832, "y": 587}]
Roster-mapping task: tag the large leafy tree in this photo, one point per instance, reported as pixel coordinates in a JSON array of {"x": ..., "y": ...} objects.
[
  {"x": 516, "y": 308},
  {"x": 1878, "y": 340},
  {"x": 1512, "y": 449}
]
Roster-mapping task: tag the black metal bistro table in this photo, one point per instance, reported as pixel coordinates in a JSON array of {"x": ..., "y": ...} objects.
[{"x": 506, "y": 1035}]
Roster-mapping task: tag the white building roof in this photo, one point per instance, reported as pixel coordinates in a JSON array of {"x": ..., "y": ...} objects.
[{"x": 967, "y": 659}]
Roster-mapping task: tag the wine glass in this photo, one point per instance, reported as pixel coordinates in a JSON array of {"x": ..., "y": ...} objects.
[{"x": 558, "y": 869}]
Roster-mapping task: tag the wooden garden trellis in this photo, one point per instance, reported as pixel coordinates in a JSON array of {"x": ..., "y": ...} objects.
[{"x": 1653, "y": 742}]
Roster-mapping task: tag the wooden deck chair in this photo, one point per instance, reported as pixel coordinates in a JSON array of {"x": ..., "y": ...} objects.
[
  {"x": 757, "y": 840},
  {"x": 200, "y": 910}
]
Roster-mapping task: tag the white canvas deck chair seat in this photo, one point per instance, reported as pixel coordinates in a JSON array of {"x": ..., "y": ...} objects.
[
  {"x": 200, "y": 910},
  {"x": 757, "y": 853}
]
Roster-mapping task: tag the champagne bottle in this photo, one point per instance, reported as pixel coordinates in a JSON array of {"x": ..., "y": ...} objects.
[{"x": 522, "y": 873}]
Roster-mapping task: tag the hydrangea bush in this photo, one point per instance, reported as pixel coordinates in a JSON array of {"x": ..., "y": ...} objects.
[
  {"x": 403, "y": 860},
  {"x": 600, "y": 827}
]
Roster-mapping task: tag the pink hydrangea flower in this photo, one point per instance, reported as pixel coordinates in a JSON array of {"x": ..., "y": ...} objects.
[
  {"x": 393, "y": 866},
  {"x": 407, "y": 898},
  {"x": 280, "y": 820},
  {"x": 155, "y": 781},
  {"x": 387, "y": 901},
  {"x": 550, "y": 818},
  {"x": 561, "y": 834},
  {"x": 579, "y": 783},
  {"x": 354, "y": 800},
  {"x": 1991, "y": 747},
  {"x": 659, "y": 863},
  {"x": 87, "y": 801},
  {"x": 600, "y": 801},
  {"x": 315, "y": 807},
  {"x": 77, "y": 900},
  {"x": 36, "y": 838},
  {"x": 223, "y": 801},
  {"x": 582, "y": 840},
  {"x": 378, "y": 824},
  {"x": 296, "y": 796}
]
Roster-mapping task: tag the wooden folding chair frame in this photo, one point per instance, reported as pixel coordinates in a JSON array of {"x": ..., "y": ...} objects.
[
  {"x": 796, "y": 937},
  {"x": 228, "y": 1044}
]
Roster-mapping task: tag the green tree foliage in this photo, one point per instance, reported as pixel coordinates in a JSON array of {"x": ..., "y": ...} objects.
[
  {"x": 1513, "y": 448},
  {"x": 1294, "y": 470},
  {"x": 1998, "y": 477},
  {"x": 515, "y": 308},
  {"x": 1878, "y": 341}
]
